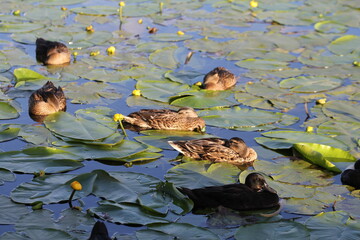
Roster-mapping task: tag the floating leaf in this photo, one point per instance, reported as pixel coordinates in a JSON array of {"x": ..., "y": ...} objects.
[
  {"x": 7, "y": 132},
  {"x": 262, "y": 64},
  {"x": 30, "y": 160},
  {"x": 197, "y": 174},
  {"x": 67, "y": 125},
  {"x": 323, "y": 155},
  {"x": 311, "y": 84},
  {"x": 7, "y": 111},
  {"x": 175, "y": 231},
  {"x": 164, "y": 57},
  {"x": 20, "y": 27},
  {"x": 345, "y": 45},
  {"x": 278, "y": 230},
  {"x": 343, "y": 110},
  {"x": 170, "y": 37},
  {"x": 330, "y": 27},
  {"x": 10, "y": 212}
]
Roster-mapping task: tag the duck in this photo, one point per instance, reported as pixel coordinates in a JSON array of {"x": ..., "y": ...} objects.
[
  {"x": 234, "y": 150},
  {"x": 351, "y": 176},
  {"x": 52, "y": 53},
  {"x": 100, "y": 232},
  {"x": 46, "y": 100},
  {"x": 185, "y": 119},
  {"x": 255, "y": 194},
  {"x": 219, "y": 79}
]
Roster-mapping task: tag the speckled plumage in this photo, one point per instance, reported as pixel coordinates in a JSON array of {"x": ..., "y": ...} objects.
[
  {"x": 219, "y": 79},
  {"x": 166, "y": 119},
  {"x": 253, "y": 195},
  {"x": 47, "y": 100},
  {"x": 233, "y": 151},
  {"x": 52, "y": 53}
]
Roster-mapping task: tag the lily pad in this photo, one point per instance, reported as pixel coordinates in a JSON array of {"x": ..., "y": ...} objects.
[
  {"x": 330, "y": 27},
  {"x": 311, "y": 84},
  {"x": 262, "y": 64},
  {"x": 170, "y": 37},
  {"x": 7, "y": 132},
  {"x": 343, "y": 110},
  {"x": 197, "y": 174},
  {"x": 164, "y": 57},
  {"x": 345, "y": 45},
  {"x": 67, "y": 125},
  {"x": 323, "y": 155},
  {"x": 10, "y": 212}
]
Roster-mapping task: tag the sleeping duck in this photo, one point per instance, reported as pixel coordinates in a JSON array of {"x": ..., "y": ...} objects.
[
  {"x": 47, "y": 100},
  {"x": 165, "y": 119},
  {"x": 255, "y": 194},
  {"x": 100, "y": 232},
  {"x": 52, "y": 53},
  {"x": 219, "y": 79},
  {"x": 234, "y": 151},
  {"x": 351, "y": 177}
]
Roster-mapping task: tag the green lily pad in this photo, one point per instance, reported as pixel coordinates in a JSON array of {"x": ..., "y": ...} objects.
[
  {"x": 30, "y": 160},
  {"x": 345, "y": 44},
  {"x": 8, "y": 133},
  {"x": 6, "y": 176},
  {"x": 323, "y": 155},
  {"x": 330, "y": 27},
  {"x": 343, "y": 110},
  {"x": 197, "y": 174},
  {"x": 286, "y": 139},
  {"x": 277, "y": 230},
  {"x": 262, "y": 64},
  {"x": 7, "y": 111},
  {"x": 330, "y": 224},
  {"x": 239, "y": 118},
  {"x": 67, "y": 125},
  {"x": 170, "y": 37},
  {"x": 160, "y": 90},
  {"x": 10, "y": 212},
  {"x": 175, "y": 231},
  {"x": 96, "y": 10},
  {"x": 19, "y": 27},
  {"x": 311, "y": 84},
  {"x": 164, "y": 57},
  {"x": 203, "y": 99}
]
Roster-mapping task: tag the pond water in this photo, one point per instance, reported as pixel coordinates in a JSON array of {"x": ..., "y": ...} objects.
[{"x": 287, "y": 56}]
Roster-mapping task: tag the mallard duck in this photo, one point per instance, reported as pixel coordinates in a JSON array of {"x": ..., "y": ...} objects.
[
  {"x": 52, "y": 53},
  {"x": 253, "y": 195},
  {"x": 47, "y": 100},
  {"x": 165, "y": 119},
  {"x": 100, "y": 232},
  {"x": 351, "y": 177},
  {"x": 233, "y": 151},
  {"x": 219, "y": 79}
]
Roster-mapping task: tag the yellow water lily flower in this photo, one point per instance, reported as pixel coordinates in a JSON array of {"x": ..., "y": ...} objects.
[
  {"x": 17, "y": 13},
  {"x": 111, "y": 50},
  {"x": 198, "y": 83},
  {"x": 118, "y": 117},
  {"x": 140, "y": 21},
  {"x": 76, "y": 186},
  {"x": 309, "y": 129},
  {"x": 321, "y": 101},
  {"x": 180, "y": 33},
  {"x": 254, "y": 4},
  {"x": 63, "y": 8},
  {"x": 122, "y": 4},
  {"x": 136, "y": 92},
  {"x": 94, "y": 53},
  {"x": 90, "y": 28}
]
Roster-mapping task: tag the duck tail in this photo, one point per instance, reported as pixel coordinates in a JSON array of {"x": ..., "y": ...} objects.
[
  {"x": 99, "y": 232},
  {"x": 177, "y": 146}
]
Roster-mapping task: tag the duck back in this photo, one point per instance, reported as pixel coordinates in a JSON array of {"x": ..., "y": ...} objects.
[{"x": 52, "y": 53}]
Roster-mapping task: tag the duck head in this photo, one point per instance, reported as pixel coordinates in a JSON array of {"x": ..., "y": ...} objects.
[
  {"x": 257, "y": 182},
  {"x": 238, "y": 145}
]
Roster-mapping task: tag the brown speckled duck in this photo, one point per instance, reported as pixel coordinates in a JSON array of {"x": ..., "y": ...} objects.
[
  {"x": 52, "y": 53},
  {"x": 255, "y": 194},
  {"x": 47, "y": 100},
  {"x": 219, "y": 79},
  {"x": 165, "y": 119},
  {"x": 234, "y": 151}
]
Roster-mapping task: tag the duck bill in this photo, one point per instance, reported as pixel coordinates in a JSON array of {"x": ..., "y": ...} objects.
[{"x": 269, "y": 189}]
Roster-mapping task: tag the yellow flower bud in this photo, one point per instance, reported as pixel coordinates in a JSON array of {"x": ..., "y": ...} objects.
[
  {"x": 321, "y": 101},
  {"x": 136, "y": 92},
  {"x": 356, "y": 63},
  {"x": 76, "y": 186},
  {"x": 75, "y": 54},
  {"x": 254, "y": 4},
  {"x": 63, "y": 8},
  {"x": 180, "y": 33},
  {"x": 198, "y": 83},
  {"x": 140, "y": 21},
  {"x": 309, "y": 129},
  {"x": 111, "y": 50},
  {"x": 122, "y": 4},
  {"x": 90, "y": 28},
  {"x": 94, "y": 53},
  {"x": 118, "y": 117},
  {"x": 17, "y": 13}
]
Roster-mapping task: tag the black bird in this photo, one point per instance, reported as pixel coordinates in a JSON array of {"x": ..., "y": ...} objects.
[
  {"x": 351, "y": 177},
  {"x": 253, "y": 195},
  {"x": 100, "y": 232}
]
